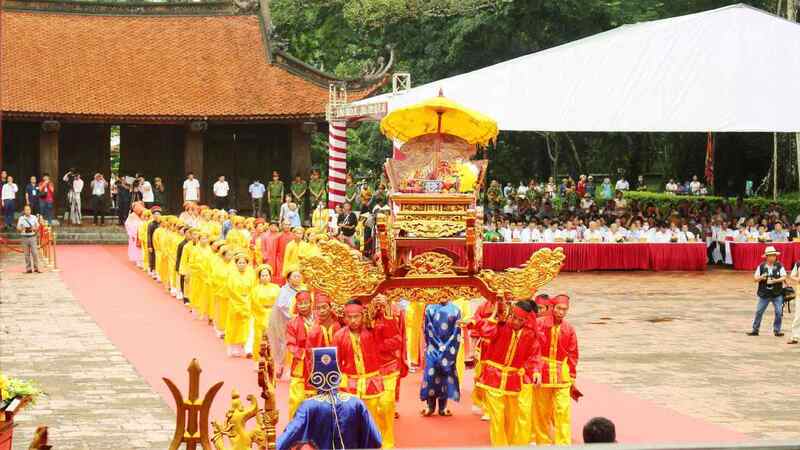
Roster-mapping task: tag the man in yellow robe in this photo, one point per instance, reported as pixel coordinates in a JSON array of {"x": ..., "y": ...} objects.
[
  {"x": 291, "y": 256},
  {"x": 147, "y": 217}
]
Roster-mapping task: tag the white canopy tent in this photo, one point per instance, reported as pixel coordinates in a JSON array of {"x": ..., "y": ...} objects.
[{"x": 731, "y": 69}]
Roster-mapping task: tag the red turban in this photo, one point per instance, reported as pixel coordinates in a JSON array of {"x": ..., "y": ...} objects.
[
  {"x": 353, "y": 308},
  {"x": 321, "y": 299},
  {"x": 302, "y": 296},
  {"x": 528, "y": 316},
  {"x": 560, "y": 299}
]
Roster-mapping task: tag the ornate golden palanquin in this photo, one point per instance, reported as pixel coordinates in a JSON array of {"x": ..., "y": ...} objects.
[{"x": 431, "y": 217}]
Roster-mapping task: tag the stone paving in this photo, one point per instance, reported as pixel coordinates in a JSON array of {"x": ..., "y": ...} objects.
[
  {"x": 678, "y": 339},
  {"x": 96, "y": 399}
]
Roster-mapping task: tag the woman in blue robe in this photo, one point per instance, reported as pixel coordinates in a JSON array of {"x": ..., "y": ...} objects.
[{"x": 442, "y": 339}]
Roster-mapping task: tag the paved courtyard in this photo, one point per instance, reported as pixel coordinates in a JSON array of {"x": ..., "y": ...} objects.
[
  {"x": 676, "y": 339},
  {"x": 96, "y": 399}
]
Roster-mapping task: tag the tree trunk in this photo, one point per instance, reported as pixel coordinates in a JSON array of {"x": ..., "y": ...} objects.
[{"x": 575, "y": 155}]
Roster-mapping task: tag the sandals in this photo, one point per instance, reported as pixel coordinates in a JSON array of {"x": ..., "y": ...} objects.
[
  {"x": 446, "y": 413},
  {"x": 426, "y": 412}
]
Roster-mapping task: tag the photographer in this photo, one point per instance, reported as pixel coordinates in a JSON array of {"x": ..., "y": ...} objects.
[
  {"x": 770, "y": 276},
  {"x": 28, "y": 225}
]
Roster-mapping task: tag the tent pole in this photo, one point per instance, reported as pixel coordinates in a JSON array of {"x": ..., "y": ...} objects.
[
  {"x": 775, "y": 166},
  {"x": 797, "y": 147}
]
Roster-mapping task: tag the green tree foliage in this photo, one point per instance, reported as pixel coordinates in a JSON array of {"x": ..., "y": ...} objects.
[{"x": 434, "y": 39}]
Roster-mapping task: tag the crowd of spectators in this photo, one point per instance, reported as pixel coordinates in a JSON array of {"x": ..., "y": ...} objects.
[{"x": 589, "y": 212}]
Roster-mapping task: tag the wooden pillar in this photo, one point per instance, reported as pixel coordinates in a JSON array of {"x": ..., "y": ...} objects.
[
  {"x": 48, "y": 150},
  {"x": 300, "y": 138},
  {"x": 193, "y": 154}
]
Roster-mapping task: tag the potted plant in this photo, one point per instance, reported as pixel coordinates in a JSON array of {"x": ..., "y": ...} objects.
[{"x": 15, "y": 394}]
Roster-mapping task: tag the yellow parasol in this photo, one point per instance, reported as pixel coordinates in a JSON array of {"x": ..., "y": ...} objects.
[{"x": 439, "y": 115}]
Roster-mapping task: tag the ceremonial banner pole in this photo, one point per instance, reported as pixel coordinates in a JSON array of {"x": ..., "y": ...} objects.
[{"x": 337, "y": 162}]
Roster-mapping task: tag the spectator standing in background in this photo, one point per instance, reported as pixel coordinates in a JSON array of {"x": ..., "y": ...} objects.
[
  {"x": 622, "y": 185},
  {"x": 32, "y": 195},
  {"x": 640, "y": 183},
  {"x": 3, "y": 176},
  {"x": 191, "y": 188},
  {"x": 123, "y": 200},
  {"x": 257, "y": 190},
  {"x": 159, "y": 195},
  {"x": 98, "y": 203},
  {"x": 590, "y": 188},
  {"x": 47, "y": 195},
  {"x": 113, "y": 188},
  {"x": 8, "y": 194},
  {"x": 606, "y": 191},
  {"x": 695, "y": 186},
  {"x": 75, "y": 200},
  {"x": 148, "y": 197},
  {"x": 28, "y": 226},
  {"x": 671, "y": 187},
  {"x": 221, "y": 189}
]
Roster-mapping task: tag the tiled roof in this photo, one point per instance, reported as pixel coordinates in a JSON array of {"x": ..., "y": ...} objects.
[{"x": 59, "y": 64}]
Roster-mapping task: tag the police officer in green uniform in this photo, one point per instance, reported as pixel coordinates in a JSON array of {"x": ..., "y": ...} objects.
[
  {"x": 316, "y": 187},
  {"x": 275, "y": 196},
  {"x": 299, "y": 189}
]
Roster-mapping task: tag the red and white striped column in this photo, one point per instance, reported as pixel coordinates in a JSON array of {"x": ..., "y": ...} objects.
[{"x": 337, "y": 162}]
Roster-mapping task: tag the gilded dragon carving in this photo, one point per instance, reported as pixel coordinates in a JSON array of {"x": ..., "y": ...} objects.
[
  {"x": 523, "y": 282},
  {"x": 430, "y": 263},
  {"x": 340, "y": 271}
]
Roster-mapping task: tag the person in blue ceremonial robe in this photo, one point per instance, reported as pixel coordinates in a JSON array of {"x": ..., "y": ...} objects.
[
  {"x": 442, "y": 339},
  {"x": 331, "y": 420}
]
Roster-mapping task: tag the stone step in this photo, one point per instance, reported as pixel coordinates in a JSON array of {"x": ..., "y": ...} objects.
[{"x": 86, "y": 234}]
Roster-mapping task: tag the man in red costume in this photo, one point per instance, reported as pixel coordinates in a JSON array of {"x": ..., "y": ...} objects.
[
  {"x": 484, "y": 312},
  {"x": 360, "y": 349},
  {"x": 393, "y": 368},
  {"x": 559, "y": 349},
  {"x": 510, "y": 366},
  {"x": 297, "y": 345},
  {"x": 325, "y": 326},
  {"x": 269, "y": 245},
  {"x": 284, "y": 237}
]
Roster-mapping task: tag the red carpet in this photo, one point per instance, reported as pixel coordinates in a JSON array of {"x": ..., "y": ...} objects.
[{"x": 157, "y": 334}]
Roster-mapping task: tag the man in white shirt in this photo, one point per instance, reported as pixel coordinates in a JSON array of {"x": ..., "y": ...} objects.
[
  {"x": 148, "y": 196},
  {"x": 257, "y": 190},
  {"x": 695, "y": 186},
  {"x": 549, "y": 235},
  {"x": 221, "y": 189},
  {"x": 28, "y": 228},
  {"x": 531, "y": 233},
  {"x": 9, "y": 197},
  {"x": 74, "y": 196},
  {"x": 191, "y": 189},
  {"x": 98, "y": 186},
  {"x": 622, "y": 185},
  {"x": 505, "y": 231},
  {"x": 671, "y": 186},
  {"x": 522, "y": 190},
  {"x": 593, "y": 233}
]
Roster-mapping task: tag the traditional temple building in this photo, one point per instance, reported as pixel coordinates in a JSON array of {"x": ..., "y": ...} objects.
[{"x": 193, "y": 87}]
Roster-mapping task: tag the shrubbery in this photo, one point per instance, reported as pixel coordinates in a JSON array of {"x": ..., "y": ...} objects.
[{"x": 666, "y": 202}]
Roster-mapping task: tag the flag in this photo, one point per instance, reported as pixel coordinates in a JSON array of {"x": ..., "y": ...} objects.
[{"x": 710, "y": 160}]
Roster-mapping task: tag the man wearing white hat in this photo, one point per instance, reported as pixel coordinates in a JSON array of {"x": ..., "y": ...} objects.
[{"x": 770, "y": 276}]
